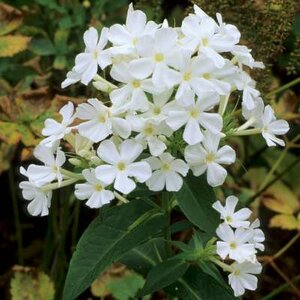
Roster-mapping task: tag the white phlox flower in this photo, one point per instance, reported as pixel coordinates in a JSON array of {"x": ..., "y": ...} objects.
[
  {"x": 235, "y": 244},
  {"x": 243, "y": 55},
  {"x": 167, "y": 173},
  {"x": 131, "y": 96},
  {"x": 150, "y": 133},
  {"x": 120, "y": 165},
  {"x": 40, "y": 200},
  {"x": 157, "y": 54},
  {"x": 207, "y": 157},
  {"x": 93, "y": 190},
  {"x": 227, "y": 213},
  {"x": 72, "y": 77},
  {"x": 125, "y": 37},
  {"x": 194, "y": 117},
  {"x": 55, "y": 131},
  {"x": 100, "y": 121},
  {"x": 86, "y": 63},
  {"x": 242, "y": 277},
  {"x": 258, "y": 235},
  {"x": 272, "y": 127},
  {"x": 254, "y": 115},
  {"x": 50, "y": 171}
]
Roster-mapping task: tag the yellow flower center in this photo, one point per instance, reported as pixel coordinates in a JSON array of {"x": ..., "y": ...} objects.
[
  {"x": 210, "y": 157},
  {"x": 102, "y": 119},
  {"x": 135, "y": 41},
  {"x": 149, "y": 130},
  {"x": 121, "y": 166},
  {"x": 156, "y": 110},
  {"x": 206, "y": 76},
  {"x": 165, "y": 167},
  {"x": 228, "y": 219},
  {"x": 95, "y": 54},
  {"x": 98, "y": 187},
  {"x": 204, "y": 42},
  {"x": 136, "y": 84},
  {"x": 232, "y": 245},
  {"x": 187, "y": 76},
  {"x": 237, "y": 272},
  {"x": 158, "y": 57},
  {"x": 194, "y": 113}
]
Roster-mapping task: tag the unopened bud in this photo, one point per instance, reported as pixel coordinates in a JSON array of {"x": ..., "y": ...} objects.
[
  {"x": 75, "y": 162},
  {"x": 95, "y": 160}
]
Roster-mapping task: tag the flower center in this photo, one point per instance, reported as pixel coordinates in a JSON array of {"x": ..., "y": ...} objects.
[
  {"x": 158, "y": 57},
  {"x": 136, "y": 84},
  {"x": 204, "y": 42},
  {"x": 121, "y": 166},
  {"x": 187, "y": 76},
  {"x": 166, "y": 167},
  {"x": 149, "y": 130},
  {"x": 98, "y": 187},
  {"x": 228, "y": 219},
  {"x": 156, "y": 110},
  {"x": 135, "y": 41},
  {"x": 102, "y": 119},
  {"x": 194, "y": 113},
  {"x": 206, "y": 76},
  {"x": 265, "y": 129},
  {"x": 237, "y": 272},
  {"x": 95, "y": 54},
  {"x": 232, "y": 245},
  {"x": 210, "y": 157}
]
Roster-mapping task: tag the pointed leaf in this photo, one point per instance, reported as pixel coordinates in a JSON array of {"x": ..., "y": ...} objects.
[
  {"x": 195, "y": 199},
  {"x": 13, "y": 44},
  {"x": 163, "y": 275},
  {"x": 106, "y": 240}
]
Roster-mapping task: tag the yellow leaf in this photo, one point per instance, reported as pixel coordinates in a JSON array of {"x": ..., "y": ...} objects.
[
  {"x": 280, "y": 198},
  {"x": 10, "y": 18},
  {"x": 288, "y": 222},
  {"x": 13, "y": 44},
  {"x": 9, "y": 133}
]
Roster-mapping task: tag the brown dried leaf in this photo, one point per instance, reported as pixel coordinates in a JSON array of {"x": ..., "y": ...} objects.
[{"x": 10, "y": 18}]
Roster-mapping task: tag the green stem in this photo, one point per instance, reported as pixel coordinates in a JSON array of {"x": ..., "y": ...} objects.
[
  {"x": 71, "y": 174},
  {"x": 167, "y": 229},
  {"x": 287, "y": 246},
  {"x": 16, "y": 215},
  {"x": 224, "y": 266},
  {"x": 247, "y": 132},
  {"x": 284, "y": 87},
  {"x": 55, "y": 185},
  {"x": 273, "y": 169}
]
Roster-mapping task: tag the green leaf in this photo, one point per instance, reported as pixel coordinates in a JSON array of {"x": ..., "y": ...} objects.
[
  {"x": 195, "y": 199},
  {"x": 107, "y": 239},
  {"x": 126, "y": 287},
  {"x": 197, "y": 285},
  {"x": 42, "y": 46},
  {"x": 163, "y": 275},
  {"x": 60, "y": 62},
  {"x": 144, "y": 257}
]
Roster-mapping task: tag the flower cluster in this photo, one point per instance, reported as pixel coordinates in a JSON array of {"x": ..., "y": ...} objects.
[
  {"x": 168, "y": 89},
  {"x": 239, "y": 242}
]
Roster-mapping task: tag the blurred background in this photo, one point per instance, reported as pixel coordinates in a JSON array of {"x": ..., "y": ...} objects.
[{"x": 38, "y": 43}]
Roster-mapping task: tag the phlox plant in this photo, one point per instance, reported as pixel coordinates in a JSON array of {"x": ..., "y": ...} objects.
[{"x": 158, "y": 143}]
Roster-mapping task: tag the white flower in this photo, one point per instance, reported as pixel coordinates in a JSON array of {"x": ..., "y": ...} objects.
[
  {"x": 40, "y": 175},
  {"x": 125, "y": 37},
  {"x": 87, "y": 63},
  {"x": 194, "y": 117},
  {"x": 157, "y": 54},
  {"x": 72, "y": 77},
  {"x": 166, "y": 173},
  {"x": 101, "y": 122},
  {"x": 207, "y": 156},
  {"x": 93, "y": 190},
  {"x": 258, "y": 235},
  {"x": 243, "y": 56},
  {"x": 255, "y": 113},
  {"x": 120, "y": 165},
  {"x": 54, "y": 130},
  {"x": 272, "y": 127},
  {"x": 242, "y": 278},
  {"x": 150, "y": 133},
  {"x": 235, "y": 244},
  {"x": 234, "y": 219},
  {"x": 130, "y": 96},
  {"x": 40, "y": 200},
  {"x": 159, "y": 107}
]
